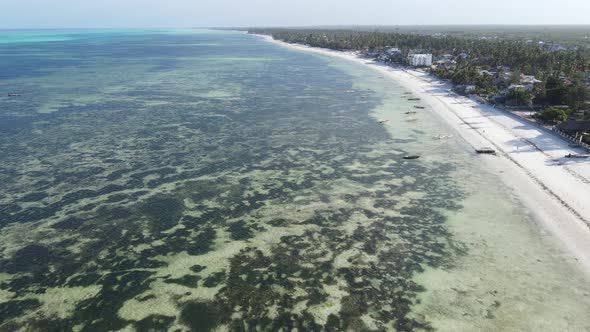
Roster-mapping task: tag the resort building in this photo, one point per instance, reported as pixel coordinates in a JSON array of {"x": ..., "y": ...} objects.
[
  {"x": 393, "y": 50},
  {"x": 420, "y": 60},
  {"x": 392, "y": 54}
]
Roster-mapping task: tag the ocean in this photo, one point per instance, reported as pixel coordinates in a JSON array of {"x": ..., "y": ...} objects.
[{"x": 199, "y": 180}]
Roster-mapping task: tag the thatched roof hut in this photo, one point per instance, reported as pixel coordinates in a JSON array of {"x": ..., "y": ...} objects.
[{"x": 572, "y": 127}]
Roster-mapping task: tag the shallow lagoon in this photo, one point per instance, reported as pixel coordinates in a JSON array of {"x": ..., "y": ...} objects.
[{"x": 210, "y": 180}]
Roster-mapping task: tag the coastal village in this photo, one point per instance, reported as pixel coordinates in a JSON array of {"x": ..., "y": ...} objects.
[
  {"x": 544, "y": 81},
  {"x": 506, "y": 88}
]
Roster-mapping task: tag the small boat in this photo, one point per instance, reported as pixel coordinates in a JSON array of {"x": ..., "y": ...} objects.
[
  {"x": 413, "y": 98},
  {"x": 411, "y": 156},
  {"x": 579, "y": 156},
  {"x": 420, "y": 107},
  {"x": 13, "y": 95},
  {"x": 412, "y": 119},
  {"x": 383, "y": 121},
  {"x": 485, "y": 150},
  {"x": 411, "y": 112},
  {"x": 441, "y": 136}
]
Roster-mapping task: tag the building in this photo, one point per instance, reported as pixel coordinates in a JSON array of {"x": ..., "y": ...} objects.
[
  {"x": 420, "y": 60},
  {"x": 557, "y": 48},
  {"x": 372, "y": 52},
  {"x": 503, "y": 78},
  {"x": 573, "y": 127},
  {"x": 521, "y": 87},
  {"x": 528, "y": 79},
  {"x": 391, "y": 55},
  {"x": 393, "y": 50},
  {"x": 487, "y": 73}
]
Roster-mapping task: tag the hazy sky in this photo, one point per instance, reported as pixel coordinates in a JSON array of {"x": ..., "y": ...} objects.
[{"x": 191, "y": 13}]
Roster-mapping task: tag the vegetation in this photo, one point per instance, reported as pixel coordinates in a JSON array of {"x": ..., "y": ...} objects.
[
  {"x": 519, "y": 97},
  {"x": 526, "y": 56},
  {"x": 568, "y": 35},
  {"x": 553, "y": 114},
  {"x": 559, "y": 74}
]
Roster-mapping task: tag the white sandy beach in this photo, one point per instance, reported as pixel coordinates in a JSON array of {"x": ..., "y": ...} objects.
[{"x": 530, "y": 160}]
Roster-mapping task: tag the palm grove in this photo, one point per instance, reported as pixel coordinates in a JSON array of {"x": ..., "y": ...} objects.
[{"x": 491, "y": 67}]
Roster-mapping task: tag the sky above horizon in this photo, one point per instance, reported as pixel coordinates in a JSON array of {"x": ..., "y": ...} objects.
[{"x": 219, "y": 13}]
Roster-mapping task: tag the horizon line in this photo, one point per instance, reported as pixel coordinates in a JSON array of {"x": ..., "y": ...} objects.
[{"x": 309, "y": 26}]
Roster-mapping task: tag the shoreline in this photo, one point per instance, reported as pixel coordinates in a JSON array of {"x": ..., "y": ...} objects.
[{"x": 530, "y": 161}]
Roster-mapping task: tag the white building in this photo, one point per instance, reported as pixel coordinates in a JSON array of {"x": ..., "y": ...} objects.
[
  {"x": 393, "y": 50},
  {"x": 528, "y": 79},
  {"x": 470, "y": 88},
  {"x": 420, "y": 60},
  {"x": 521, "y": 87},
  {"x": 487, "y": 73}
]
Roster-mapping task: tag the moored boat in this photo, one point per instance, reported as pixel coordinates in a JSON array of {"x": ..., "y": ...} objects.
[
  {"x": 579, "y": 156},
  {"x": 485, "y": 150}
]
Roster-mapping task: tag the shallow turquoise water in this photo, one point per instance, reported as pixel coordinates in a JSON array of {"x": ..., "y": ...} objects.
[
  {"x": 203, "y": 179},
  {"x": 57, "y": 35}
]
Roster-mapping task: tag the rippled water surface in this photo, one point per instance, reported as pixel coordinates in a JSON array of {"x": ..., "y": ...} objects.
[{"x": 201, "y": 180}]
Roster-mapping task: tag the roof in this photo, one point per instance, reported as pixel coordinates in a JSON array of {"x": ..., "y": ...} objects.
[
  {"x": 574, "y": 126},
  {"x": 529, "y": 79},
  {"x": 516, "y": 86},
  {"x": 487, "y": 72}
]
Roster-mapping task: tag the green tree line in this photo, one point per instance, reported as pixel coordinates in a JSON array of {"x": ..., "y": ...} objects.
[{"x": 526, "y": 57}]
